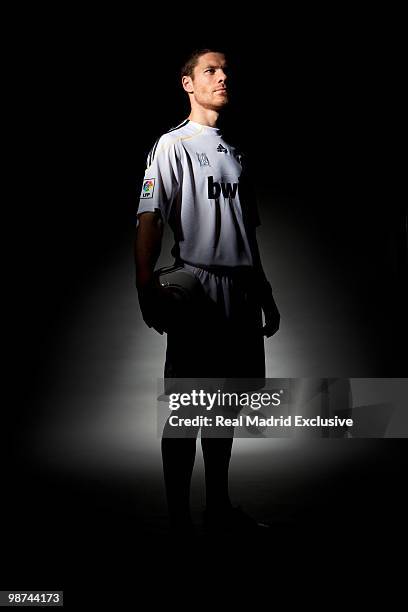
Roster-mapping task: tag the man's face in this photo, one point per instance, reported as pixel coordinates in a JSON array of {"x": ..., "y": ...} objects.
[{"x": 209, "y": 81}]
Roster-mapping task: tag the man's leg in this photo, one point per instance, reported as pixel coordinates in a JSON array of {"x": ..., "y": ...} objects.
[
  {"x": 242, "y": 363},
  {"x": 178, "y": 456},
  {"x": 217, "y": 455},
  {"x": 178, "y": 453}
]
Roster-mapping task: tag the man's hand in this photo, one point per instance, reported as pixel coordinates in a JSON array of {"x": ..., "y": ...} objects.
[
  {"x": 152, "y": 306},
  {"x": 271, "y": 312}
]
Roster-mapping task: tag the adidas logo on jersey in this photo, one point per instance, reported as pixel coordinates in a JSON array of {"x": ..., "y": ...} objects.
[
  {"x": 221, "y": 149},
  {"x": 228, "y": 190}
]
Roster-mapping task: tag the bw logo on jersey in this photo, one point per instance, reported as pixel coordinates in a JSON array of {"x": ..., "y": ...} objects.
[
  {"x": 228, "y": 190},
  {"x": 148, "y": 188}
]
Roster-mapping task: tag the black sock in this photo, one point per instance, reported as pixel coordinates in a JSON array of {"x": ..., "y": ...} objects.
[
  {"x": 178, "y": 456},
  {"x": 217, "y": 454}
]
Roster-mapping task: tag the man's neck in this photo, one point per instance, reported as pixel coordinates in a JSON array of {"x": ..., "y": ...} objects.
[{"x": 204, "y": 116}]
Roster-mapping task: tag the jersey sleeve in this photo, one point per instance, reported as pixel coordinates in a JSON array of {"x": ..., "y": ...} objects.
[
  {"x": 161, "y": 179},
  {"x": 248, "y": 192},
  {"x": 255, "y": 213},
  {"x": 256, "y": 220}
]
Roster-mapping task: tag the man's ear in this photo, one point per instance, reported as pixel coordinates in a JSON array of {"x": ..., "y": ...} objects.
[{"x": 187, "y": 83}]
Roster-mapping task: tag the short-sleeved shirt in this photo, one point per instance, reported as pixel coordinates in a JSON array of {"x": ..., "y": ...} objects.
[
  {"x": 202, "y": 188},
  {"x": 198, "y": 183}
]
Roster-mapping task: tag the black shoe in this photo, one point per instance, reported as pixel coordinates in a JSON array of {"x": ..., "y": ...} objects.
[{"x": 234, "y": 520}]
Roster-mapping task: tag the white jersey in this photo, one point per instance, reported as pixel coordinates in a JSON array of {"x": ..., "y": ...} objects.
[{"x": 196, "y": 180}]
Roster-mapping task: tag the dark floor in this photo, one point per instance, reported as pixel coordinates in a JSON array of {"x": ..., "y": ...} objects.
[{"x": 78, "y": 533}]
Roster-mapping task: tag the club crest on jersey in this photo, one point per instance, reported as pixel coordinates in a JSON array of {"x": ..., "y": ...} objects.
[
  {"x": 203, "y": 159},
  {"x": 221, "y": 149},
  {"x": 148, "y": 188}
]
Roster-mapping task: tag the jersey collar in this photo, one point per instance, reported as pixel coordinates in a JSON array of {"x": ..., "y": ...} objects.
[{"x": 206, "y": 129}]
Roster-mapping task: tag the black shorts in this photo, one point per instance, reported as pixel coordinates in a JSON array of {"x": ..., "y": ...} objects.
[{"x": 204, "y": 343}]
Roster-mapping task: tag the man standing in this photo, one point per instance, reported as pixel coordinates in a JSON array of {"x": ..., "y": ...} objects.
[{"x": 199, "y": 184}]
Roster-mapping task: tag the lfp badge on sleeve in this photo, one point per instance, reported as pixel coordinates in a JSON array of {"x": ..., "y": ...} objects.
[{"x": 148, "y": 188}]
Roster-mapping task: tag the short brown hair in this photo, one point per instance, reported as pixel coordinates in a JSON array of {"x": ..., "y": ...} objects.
[{"x": 192, "y": 60}]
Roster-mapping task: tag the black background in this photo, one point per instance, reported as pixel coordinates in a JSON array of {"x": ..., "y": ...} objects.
[
  {"x": 316, "y": 109},
  {"x": 317, "y": 106}
]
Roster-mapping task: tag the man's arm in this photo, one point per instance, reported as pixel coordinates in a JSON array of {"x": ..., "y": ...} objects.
[
  {"x": 270, "y": 310},
  {"x": 147, "y": 247}
]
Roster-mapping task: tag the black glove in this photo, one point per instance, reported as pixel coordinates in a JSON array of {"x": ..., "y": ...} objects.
[{"x": 152, "y": 302}]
